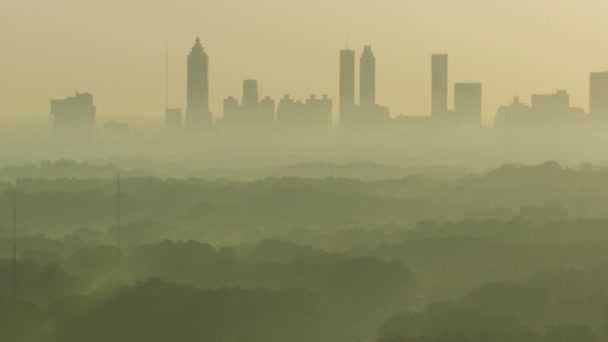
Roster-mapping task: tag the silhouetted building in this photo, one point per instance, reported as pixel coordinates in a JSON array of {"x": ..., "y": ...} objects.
[
  {"x": 173, "y": 119},
  {"x": 347, "y": 83},
  {"x": 250, "y": 95},
  {"x": 551, "y": 103},
  {"x": 439, "y": 91},
  {"x": 360, "y": 117},
  {"x": 252, "y": 115},
  {"x": 74, "y": 115},
  {"x": 467, "y": 103},
  {"x": 598, "y": 94},
  {"x": 547, "y": 110},
  {"x": 267, "y": 112},
  {"x": 367, "y": 95},
  {"x": 310, "y": 117},
  {"x": 515, "y": 114},
  {"x": 198, "y": 114},
  {"x": 232, "y": 113}
]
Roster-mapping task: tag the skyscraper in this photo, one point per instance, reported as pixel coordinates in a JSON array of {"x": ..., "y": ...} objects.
[
  {"x": 439, "y": 96},
  {"x": 551, "y": 103},
  {"x": 598, "y": 94},
  {"x": 267, "y": 112},
  {"x": 367, "y": 96},
  {"x": 467, "y": 103},
  {"x": 198, "y": 114},
  {"x": 347, "y": 83},
  {"x": 74, "y": 115},
  {"x": 250, "y": 95},
  {"x": 232, "y": 113}
]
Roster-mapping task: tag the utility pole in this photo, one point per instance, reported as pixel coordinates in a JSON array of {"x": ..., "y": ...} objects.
[
  {"x": 14, "y": 282},
  {"x": 118, "y": 242}
]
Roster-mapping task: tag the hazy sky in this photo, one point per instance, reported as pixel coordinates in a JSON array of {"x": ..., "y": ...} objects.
[{"x": 115, "y": 49}]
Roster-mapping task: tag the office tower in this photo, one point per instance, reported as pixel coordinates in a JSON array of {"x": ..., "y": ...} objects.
[
  {"x": 554, "y": 109},
  {"x": 368, "y": 78},
  {"x": 347, "y": 82},
  {"x": 74, "y": 115},
  {"x": 287, "y": 111},
  {"x": 598, "y": 94},
  {"x": 197, "y": 112},
  {"x": 250, "y": 95},
  {"x": 232, "y": 112},
  {"x": 309, "y": 117},
  {"x": 467, "y": 103},
  {"x": 173, "y": 118},
  {"x": 551, "y": 104},
  {"x": 439, "y": 96},
  {"x": 267, "y": 111},
  {"x": 319, "y": 113}
]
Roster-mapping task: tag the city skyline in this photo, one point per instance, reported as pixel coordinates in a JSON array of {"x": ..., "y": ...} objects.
[
  {"x": 316, "y": 115},
  {"x": 124, "y": 64},
  {"x": 355, "y": 89}
]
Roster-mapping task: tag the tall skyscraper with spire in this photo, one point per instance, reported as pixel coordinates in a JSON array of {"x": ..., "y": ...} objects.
[
  {"x": 367, "y": 95},
  {"x": 198, "y": 114},
  {"x": 347, "y": 83}
]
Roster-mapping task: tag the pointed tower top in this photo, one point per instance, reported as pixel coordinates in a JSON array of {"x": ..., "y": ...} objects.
[{"x": 197, "y": 48}]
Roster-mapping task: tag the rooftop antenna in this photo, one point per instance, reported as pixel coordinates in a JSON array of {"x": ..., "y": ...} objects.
[
  {"x": 14, "y": 280},
  {"x": 118, "y": 242}
]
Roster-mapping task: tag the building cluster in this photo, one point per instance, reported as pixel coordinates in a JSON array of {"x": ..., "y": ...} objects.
[
  {"x": 367, "y": 113},
  {"x": 253, "y": 115},
  {"x": 545, "y": 110},
  {"x": 314, "y": 115}
]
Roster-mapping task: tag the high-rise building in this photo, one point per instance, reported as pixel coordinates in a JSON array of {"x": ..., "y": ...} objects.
[
  {"x": 250, "y": 95},
  {"x": 252, "y": 115},
  {"x": 367, "y": 95},
  {"x": 467, "y": 103},
  {"x": 74, "y": 115},
  {"x": 267, "y": 112},
  {"x": 551, "y": 104},
  {"x": 173, "y": 118},
  {"x": 347, "y": 83},
  {"x": 547, "y": 110},
  {"x": 198, "y": 114},
  {"x": 439, "y": 95},
  {"x": 232, "y": 113},
  {"x": 310, "y": 117},
  {"x": 598, "y": 94}
]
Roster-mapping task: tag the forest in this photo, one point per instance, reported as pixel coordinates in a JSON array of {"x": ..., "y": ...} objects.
[{"x": 515, "y": 253}]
